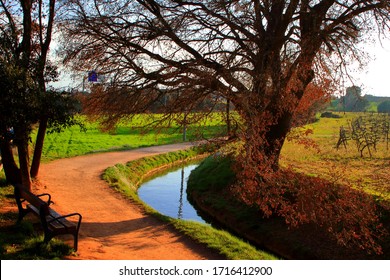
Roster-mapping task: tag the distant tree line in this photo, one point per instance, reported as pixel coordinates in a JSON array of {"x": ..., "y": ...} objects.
[
  {"x": 384, "y": 107},
  {"x": 353, "y": 101}
]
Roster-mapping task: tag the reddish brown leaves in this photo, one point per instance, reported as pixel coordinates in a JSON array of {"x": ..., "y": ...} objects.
[{"x": 349, "y": 215}]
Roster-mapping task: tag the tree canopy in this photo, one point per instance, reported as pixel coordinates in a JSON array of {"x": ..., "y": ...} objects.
[
  {"x": 353, "y": 101},
  {"x": 260, "y": 55}
]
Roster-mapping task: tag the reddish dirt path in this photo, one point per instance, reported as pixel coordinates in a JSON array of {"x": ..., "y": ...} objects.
[{"x": 112, "y": 227}]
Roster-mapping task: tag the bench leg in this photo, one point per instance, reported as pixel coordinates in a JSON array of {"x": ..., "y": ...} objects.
[
  {"x": 21, "y": 215},
  {"x": 20, "y": 218},
  {"x": 76, "y": 238},
  {"x": 47, "y": 238}
]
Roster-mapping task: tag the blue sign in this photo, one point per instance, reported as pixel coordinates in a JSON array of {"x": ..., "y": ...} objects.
[{"x": 92, "y": 76}]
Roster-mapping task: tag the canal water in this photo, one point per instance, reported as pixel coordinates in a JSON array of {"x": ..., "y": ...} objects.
[{"x": 166, "y": 193}]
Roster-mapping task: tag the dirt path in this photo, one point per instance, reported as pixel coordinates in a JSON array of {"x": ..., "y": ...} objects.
[{"x": 113, "y": 228}]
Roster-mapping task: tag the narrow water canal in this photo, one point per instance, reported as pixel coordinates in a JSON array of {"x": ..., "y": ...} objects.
[{"x": 167, "y": 194}]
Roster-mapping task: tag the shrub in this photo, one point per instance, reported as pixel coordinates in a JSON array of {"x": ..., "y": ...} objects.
[{"x": 384, "y": 107}]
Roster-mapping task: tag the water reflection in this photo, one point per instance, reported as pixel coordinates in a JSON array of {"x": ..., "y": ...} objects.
[
  {"x": 180, "y": 213},
  {"x": 167, "y": 194}
]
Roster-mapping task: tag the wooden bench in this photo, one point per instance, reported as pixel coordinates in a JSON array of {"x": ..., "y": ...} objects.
[{"x": 53, "y": 224}]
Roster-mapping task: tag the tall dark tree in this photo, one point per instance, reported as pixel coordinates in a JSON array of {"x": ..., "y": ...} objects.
[
  {"x": 26, "y": 29},
  {"x": 260, "y": 55},
  {"x": 353, "y": 101},
  {"x": 45, "y": 30},
  {"x": 17, "y": 50}
]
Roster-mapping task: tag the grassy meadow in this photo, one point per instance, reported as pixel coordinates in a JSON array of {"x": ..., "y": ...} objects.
[
  {"x": 127, "y": 135},
  {"x": 343, "y": 165}
]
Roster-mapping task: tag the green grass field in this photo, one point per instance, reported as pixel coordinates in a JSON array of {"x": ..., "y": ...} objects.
[
  {"x": 127, "y": 135},
  {"x": 340, "y": 165}
]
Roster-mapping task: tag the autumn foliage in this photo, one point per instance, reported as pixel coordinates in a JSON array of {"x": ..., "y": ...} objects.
[
  {"x": 316, "y": 97},
  {"x": 349, "y": 215}
]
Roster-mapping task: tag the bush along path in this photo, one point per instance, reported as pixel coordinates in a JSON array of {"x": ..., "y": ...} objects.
[{"x": 112, "y": 227}]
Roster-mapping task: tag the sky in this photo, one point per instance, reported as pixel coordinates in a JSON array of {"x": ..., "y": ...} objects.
[{"x": 375, "y": 79}]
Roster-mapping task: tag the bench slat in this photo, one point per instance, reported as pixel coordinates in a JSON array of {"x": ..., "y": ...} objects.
[
  {"x": 62, "y": 222},
  {"x": 33, "y": 209}
]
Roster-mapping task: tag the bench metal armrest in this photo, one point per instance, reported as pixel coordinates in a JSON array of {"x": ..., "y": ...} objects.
[
  {"x": 49, "y": 197},
  {"x": 66, "y": 216}
]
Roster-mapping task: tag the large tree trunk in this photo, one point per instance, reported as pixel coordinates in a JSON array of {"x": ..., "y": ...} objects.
[
  {"x": 12, "y": 172},
  {"x": 38, "y": 147},
  {"x": 42, "y": 87},
  {"x": 24, "y": 160},
  {"x": 21, "y": 141},
  {"x": 275, "y": 137},
  {"x": 263, "y": 143}
]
